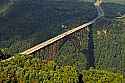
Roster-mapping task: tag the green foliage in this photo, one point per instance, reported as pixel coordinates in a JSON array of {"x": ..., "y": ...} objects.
[
  {"x": 71, "y": 53},
  {"x": 4, "y": 8},
  {"x": 24, "y": 29},
  {"x": 18, "y": 34},
  {"x": 27, "y": 69},
  {"x": 109, "y": 46},
  {"x": 101, "y": 76},
  {"x": 109, "y": 1}
]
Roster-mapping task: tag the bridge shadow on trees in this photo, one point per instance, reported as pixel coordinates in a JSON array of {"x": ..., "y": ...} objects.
[
  {"x": 80, "y": 78},
  {"x": 89, "y": 52},
  {"x": 4, "y": 56}
]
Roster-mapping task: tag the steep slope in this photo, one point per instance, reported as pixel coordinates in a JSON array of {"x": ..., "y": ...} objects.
[
  {"x": 108, "y": 37},
  {"x": 32, "y": 22},
  {"x": 108, "y": 1},
  {"x": 29, "y": 69}
]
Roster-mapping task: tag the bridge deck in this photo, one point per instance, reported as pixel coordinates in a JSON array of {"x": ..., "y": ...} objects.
[{"x": 50, "y": 41}]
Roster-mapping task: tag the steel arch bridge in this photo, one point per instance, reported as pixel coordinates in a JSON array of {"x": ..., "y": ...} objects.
[{"x": 50, "y": 48}]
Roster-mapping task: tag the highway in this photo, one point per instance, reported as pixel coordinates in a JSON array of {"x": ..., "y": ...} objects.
[
  {"x": 120, "y": 17},
  {"x": 50, "y": 41},
  {"x": 5, "y": 9}
]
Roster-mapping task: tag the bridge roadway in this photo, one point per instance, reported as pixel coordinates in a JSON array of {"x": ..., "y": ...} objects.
[
  {"x": 120, "y": 17},
  {"x": 6, "y": 8},
  {"x": 50, "y": 41}
]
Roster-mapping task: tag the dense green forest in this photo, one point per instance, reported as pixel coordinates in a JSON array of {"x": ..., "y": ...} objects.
[
  {"x": 27, "y": 23},
  {"x": 26, "y": 69},
  {"x": 40, "y": 19},
  {"x": 109, "y": 1},
  {"x": 47, "y": 17}
]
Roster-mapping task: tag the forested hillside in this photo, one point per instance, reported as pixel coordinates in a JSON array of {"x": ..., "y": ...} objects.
[
  {"x": 29, "y": 70},
  {"x": 27, "y": 23},
  {"x": 47, "y": 17},
  {"x": 115, "y": 1},
  {"x": 108, "y": 1}
]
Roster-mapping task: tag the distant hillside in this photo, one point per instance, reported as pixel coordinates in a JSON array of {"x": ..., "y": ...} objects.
[
  {"x": 108, "y": 1},
  {"x": 115, "y": 1},
  {"x": 30, "y": 22},
  {"x": 4, "y": 1}
]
